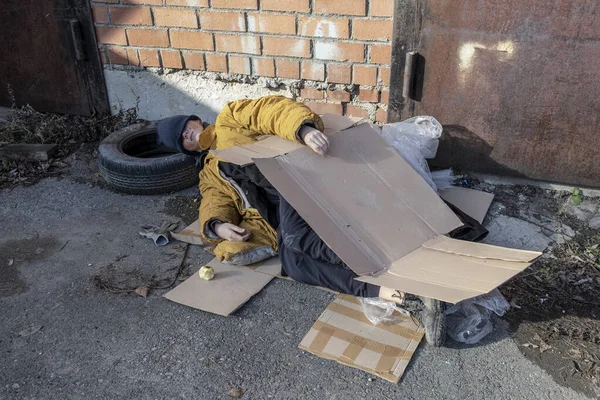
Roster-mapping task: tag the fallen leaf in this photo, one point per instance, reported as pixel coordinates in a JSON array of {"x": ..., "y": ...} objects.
[
  {"x": 11, "y": 262},
  {"x": 142, "y": 291},
  {"x": 30, "y": 331},
  {"x": 236, "y": 392},
  {"x": 544, "y": 346}
]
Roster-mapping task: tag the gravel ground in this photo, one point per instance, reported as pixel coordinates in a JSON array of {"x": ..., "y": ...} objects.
[{"x": 62, "y": 337}]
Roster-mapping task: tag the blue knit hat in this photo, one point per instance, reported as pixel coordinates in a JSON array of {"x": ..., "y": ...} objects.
[{"x": 170, "y": 130}]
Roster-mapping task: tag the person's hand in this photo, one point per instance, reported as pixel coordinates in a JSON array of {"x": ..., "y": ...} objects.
[
  {"x": 232, "y": 233},
  {"x": 315, "y": 139}
]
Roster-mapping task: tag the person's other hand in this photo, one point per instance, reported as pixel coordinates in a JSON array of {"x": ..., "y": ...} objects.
[
  {"x": 315, "y": 139},
  {"x": 232, "y": 233}
]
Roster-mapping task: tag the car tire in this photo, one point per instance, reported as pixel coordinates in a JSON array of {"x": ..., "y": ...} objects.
[{"x": 131, "y": 162}]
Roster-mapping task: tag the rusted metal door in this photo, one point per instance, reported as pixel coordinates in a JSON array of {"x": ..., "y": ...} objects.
[
  {"x": 48, "y": 57},
  {"x": 515, "y": 83}
]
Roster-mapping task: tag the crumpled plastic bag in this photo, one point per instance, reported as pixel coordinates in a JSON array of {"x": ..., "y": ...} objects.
[
  {"x": 471, "y": 320},
  {"x": 415, "y": 139},
  {"x": 159, "y": 234},
  {"x": 378, "y": 310}
]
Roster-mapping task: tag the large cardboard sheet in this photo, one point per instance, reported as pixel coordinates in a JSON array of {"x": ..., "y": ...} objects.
[
  {"x": 231, "y": 287},
  {"x": 343, "y": 333},
  {"x": 374, "y": 210}
]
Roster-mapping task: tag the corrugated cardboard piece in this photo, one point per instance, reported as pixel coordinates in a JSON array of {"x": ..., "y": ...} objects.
[
  {"x": 231, "y": 287},
  {"x": 190, "y": 234},
  {"x": 383, "y": 220},
  {"x": 343, "y": 333},
  {"x": 272, "y": 146}
]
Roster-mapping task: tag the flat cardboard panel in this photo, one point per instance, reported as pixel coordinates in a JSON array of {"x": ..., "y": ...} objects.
[
  {"x": 190, "y": 234},
  {"x": 343, "y": 333},
  {"x": 474, "y": 203},
  {"x": 231, "y": 287},
  {"x": 480, "y": 250}
]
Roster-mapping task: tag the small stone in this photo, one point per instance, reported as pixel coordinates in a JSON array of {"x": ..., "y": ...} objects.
[{"x": 16, "y": 386}]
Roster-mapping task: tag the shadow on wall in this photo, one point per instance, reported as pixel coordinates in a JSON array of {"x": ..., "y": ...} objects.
[{"x": 157, "y": 94}]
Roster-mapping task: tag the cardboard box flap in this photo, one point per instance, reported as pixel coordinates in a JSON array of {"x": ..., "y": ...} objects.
[
  {"x": 362, "y": 199},
  {"x": 231, "y": 287},
  {"x": 474, "y": 203},
  {"x": 480, "y": 250},
  {"x": 427, "y": 289},
  {"x": 271, "y": 146}
]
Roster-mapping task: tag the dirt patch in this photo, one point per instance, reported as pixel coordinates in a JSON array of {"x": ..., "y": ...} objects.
[
  {"x": 25, "y": 125},
  {"x": 183, "y": 207},
  {"x": 556, "y": 302},
  {"x": 13, "y": 254}
]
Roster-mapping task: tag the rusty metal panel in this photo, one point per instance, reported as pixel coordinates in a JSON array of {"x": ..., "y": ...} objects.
[
  {"x": 42, "y": 57},
  {"x": 516, "y": 85}
]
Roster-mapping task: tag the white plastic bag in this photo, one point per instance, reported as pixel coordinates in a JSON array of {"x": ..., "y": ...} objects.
[
  {"x": 415, "y": 140},
  {"x": 471, "y": 320},
  {"x": 378, "y": 310}
]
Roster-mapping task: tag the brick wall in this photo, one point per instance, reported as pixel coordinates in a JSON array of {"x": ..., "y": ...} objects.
[{"x": 338, "y": 50}]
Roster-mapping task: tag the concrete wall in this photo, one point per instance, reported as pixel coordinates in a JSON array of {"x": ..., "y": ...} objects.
[{"x": 172, "y": 56}]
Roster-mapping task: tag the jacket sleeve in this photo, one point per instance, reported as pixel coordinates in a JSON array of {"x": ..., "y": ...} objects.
[
  {"x": 216, "y": 204},
  {"x": 299, "y": 237},
  {"x": 269, "y": 115}
]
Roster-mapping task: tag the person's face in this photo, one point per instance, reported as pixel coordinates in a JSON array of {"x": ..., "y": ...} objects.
[{"x": 191, "y": 134}]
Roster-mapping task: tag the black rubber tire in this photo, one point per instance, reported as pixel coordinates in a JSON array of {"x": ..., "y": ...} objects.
[{"x": 131, "y": 162}]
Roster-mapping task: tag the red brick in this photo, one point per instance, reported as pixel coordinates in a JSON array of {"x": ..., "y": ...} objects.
[
  {"x": 381, "y": 115},
  {"x": 384, "y": 76},
  {"x": 238, "y": 43},
  {"x": 337, "y": 73},
  {"x": 130, "y": 16},
  {"x": 310, "y": 93},
  {"x": 188, "y": 3},
  {"x": 385, "y": 97},
  {"x": 324, "y": 108},
  {"x": 284, "y": 24},
  {"x": 148, "y": 37},
  {"x": 149, "y": 58},
  {"x": 382, "y": 8},
  {"x": 313, "y": 71},
  {"x": 263, "y": 67},
  {"x": 364, "y": 75},
  {"x": 100, "y": 14},
  {"x": 288, "y": 69},
  {"x": 111, "y": 35},
  {"x": 118, "y": 55},
  {"x": 369, "y": 96},
  {"x": 364, "y": 29},
  {"x": 171, "y": 59},
  {"x": 134, "y": 59},
  {"x": 324, "y": 27},
  {"x": 285, "y": 5},
  {"x": 239, "y": 65},
  {"x": 216, "y": 63},
  {"x": 175, "y": 17},
  {"x": 381, "y": 54},
  {"x": 354, "y": 111},
  {"x": 338, "y": 95},
  {"x": 246, "y": 4},
  {"x": 103, "y": 57},
  {"x": 343, "y": 7},
  {"x": 222, "y": 21},
  {"x": 291, "y": 47},
  {"x": 339, "y": 51},
  {"x": 151, "y": 2},
  {"x": 194, "y": 61},
  {"x": 191, "y": 40}
]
